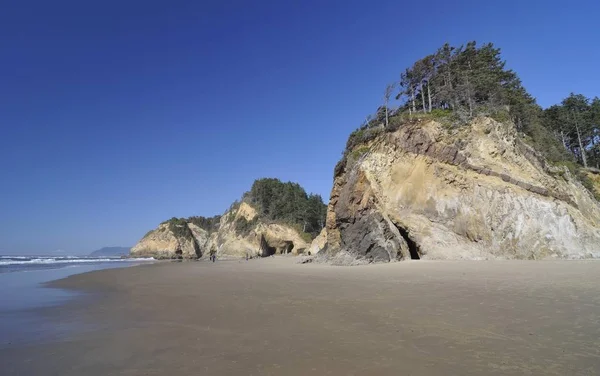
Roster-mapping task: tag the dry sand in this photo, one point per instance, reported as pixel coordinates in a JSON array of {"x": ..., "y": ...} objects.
[{"x": 276, "y": 317}]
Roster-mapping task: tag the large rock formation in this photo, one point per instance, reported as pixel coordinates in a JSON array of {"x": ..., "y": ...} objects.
[
  {"x": 238, "y": 232},
  {"x": 169, "y": 241},
  {"x": 475, "y": 192},
  {"x": 241, "y": 233}
]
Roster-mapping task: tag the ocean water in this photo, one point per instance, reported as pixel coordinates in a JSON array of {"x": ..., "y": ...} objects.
[
  {"x": 30, "y": 263},
  {"x": 22, "y": 293}
]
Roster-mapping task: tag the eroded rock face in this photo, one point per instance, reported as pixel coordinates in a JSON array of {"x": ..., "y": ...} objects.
[
  {"x": 476, "y": 193},
  {"x": 239, "y": 234},
  {"x": 260, "y": 240},
  {"x": 279, "y": 239},
  {"x": 318, "y": 243},
  {"x": 163, "y": 243}
]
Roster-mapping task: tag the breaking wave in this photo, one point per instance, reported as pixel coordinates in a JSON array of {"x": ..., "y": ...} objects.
[{"x": 45, "y": 260}]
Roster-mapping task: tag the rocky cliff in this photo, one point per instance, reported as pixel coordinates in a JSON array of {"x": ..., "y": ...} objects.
[
  {"x": 237, "y": 233},
  {"x": 242, "y": 232},
  {"x": 169, "y": 240},
  {"x": 426, "y": 191}
]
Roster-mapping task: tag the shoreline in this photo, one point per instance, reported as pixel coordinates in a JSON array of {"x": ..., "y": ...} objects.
[
  {"x": 275, "y": 316},
  {"x": 63, "y": 283}
]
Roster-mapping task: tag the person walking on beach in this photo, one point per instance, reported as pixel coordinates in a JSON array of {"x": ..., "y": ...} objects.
[{"x": 213, "y": 253}]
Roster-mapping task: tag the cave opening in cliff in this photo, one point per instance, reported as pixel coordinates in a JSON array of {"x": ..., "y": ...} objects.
[
  {"x": 178, "y": 254},
  {"x": 413, "y": 247},
  {"x": 289, "y": 246},
  {"x": 266, "y": 249}
]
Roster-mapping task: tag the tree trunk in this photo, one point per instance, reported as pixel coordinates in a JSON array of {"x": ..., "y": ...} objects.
[
  {"x": 469, "y": 93},
  {"x": 423, "y": 98},
  {"x": 469, "y": 96},
  {"x": 386, "y": 115},
  {"x": 412, "y": 94},
  {"x": 562, "y": 136},
  {"x": 429, "y": 96},
  {"x": 594, "y": 146},
  {"x": 581, "y": 149},
  {"x": 452, "y": 95}
]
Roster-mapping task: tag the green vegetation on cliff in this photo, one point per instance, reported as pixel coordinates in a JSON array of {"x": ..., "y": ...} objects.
[
  {"x": 455, "y": 84},
  {"x": 275, "y": 202},
  {"x": 287, "y": 203},
  {"x": 244, "y": 226},
  {"x": 209, "y": 224},
  {"x": 179, "y": 226},
  {"x": 575, "y": 122}
]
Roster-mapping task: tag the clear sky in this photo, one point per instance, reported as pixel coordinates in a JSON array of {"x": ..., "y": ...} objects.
[{"x": 117, "y": 115}]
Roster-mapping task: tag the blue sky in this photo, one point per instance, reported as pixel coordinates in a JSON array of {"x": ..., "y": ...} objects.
[{"x": 116, "y": 116}]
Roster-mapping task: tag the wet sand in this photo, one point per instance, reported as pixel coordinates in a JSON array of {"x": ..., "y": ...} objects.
[{"x": 277, "y": 317}]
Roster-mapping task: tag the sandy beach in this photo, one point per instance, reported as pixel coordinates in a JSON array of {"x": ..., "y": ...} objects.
[{"x": 277, "y": 317}]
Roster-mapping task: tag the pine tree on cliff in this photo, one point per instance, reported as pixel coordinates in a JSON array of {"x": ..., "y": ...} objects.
[
  {"x": 427, "y": 72},
  {"x": 287, "y": 203},
  {"x": 464, "y": 79},
  {"x": 442, "y": 79},
  {"x": 473, "y": 80},
  {"x": 553, "y": 118},
  {"x": 407, "y": 81},
  {"x": 389, "y": 89},
  {"x": 577, "y": 114},
  {"x": 595, "y": 131},
  {"x": 576, "y": 122}
]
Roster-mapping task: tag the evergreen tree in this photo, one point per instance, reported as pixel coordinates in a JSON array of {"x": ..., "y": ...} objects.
[
  {"x": 473, "y": 80},
  {"x": 287, "y": 203},
  {"x": 389, "y": 89}
]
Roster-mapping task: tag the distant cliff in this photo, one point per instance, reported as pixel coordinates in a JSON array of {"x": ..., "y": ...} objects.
[
  {"x": 111, "y": 252},
  {"x": 272, "y": 218},
  {"x": 423, "y": 190}
]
